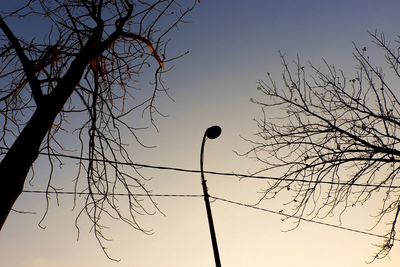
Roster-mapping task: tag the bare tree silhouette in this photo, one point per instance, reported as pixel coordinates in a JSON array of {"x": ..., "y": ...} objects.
[
  {"x": 85, "y": 66},
  {"x": 335, "y": 141}
]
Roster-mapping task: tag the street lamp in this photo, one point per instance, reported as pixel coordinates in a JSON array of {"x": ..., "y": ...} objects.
[{"x": 211, "y": 133}]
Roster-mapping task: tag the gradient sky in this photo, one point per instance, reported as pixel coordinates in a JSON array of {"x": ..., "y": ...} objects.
[{"x": 232, "y": 44}]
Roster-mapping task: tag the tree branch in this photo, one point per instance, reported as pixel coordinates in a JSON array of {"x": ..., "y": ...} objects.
[{"x": 27, "y": 64}]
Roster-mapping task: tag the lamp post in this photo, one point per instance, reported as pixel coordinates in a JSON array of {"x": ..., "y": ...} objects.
[{"x": 211, "y": 133}]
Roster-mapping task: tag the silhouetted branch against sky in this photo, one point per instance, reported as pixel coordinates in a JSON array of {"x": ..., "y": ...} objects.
[
  {"x": 331, "y": 126},
  {"x": 78, "y": 76}
]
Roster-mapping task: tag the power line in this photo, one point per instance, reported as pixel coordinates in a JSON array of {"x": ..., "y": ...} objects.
[
  {"x": 299, "y": 218},
  {"x": 237, "y": 175},
  {"x": 216, "y": 198},
  {"x": 110, "y": 194}
]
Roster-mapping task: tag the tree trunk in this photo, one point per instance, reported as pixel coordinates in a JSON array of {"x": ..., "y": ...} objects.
[{"x": 16, "y": 164}]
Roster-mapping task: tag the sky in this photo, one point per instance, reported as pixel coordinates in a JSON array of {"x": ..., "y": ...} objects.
[{"x": 232, "y": 45}]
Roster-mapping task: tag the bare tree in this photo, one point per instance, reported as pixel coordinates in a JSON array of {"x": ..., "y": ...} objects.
[
  {"x": 85, "y": 67},
  {"x": 334, "y": 139}
]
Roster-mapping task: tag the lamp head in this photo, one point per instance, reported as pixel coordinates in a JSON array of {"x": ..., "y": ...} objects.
[{"x": 213, "y": 132}]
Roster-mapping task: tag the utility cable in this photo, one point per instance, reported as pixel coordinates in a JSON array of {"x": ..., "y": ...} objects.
[
  {"x": 220, "y": 199},
  {"x": 299, "y": 218},
  {"x": 110, "y": 194},
  {"x": 238, "y": 175}
]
